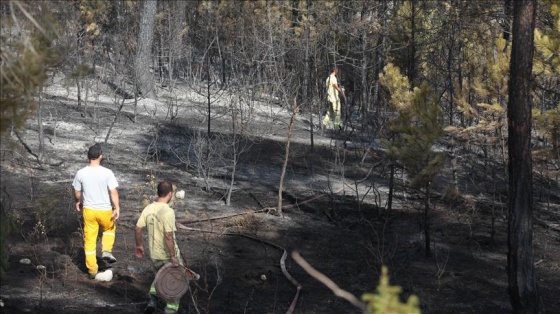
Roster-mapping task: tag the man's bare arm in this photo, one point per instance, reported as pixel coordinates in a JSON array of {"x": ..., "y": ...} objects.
[
  {"x": 138, "y": 239},
  {"x": 170, "y": 244},
  {"x": 115, "y": 200},
  {"x": 78, "y": 199}
]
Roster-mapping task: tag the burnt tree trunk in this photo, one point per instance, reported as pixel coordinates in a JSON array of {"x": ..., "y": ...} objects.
[
  {"x": 307, "y": 90},
  {"x": 379, "y": 59},
  {"x": 391, "y": 187},
  {"x": 366, "y": 12},
  {"x": 412, "y": 47},
  {"x": 144, "y": 78},
  {"x": 427, "y": 237},
  {"x": 41, "y": 128},
  {"x": 175, "y": 34},
  {"x": 521, "y": 273}
]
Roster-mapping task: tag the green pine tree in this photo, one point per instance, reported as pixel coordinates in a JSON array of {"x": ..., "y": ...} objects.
[
  {"x": 24, "y": 69},
  {"x": 546, "y": 67},
  {"x": 484, "y": 98},
  {"x": 415, "y": 131}
]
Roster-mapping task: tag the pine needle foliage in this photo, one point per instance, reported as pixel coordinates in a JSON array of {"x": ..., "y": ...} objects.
[
  {"x": 546, "y": 67},
  {"x": 26, "y": 61},
  {"x": 548, "y": 124},
  {"x": 547, "y": 44},
  {"x": 485, "y": 108},
  {"x": 416, "y": 128},
  {"x": 24, "y": 68},
  {"x": 93, "y": 14},
  {"x": 386, "y": 300}
]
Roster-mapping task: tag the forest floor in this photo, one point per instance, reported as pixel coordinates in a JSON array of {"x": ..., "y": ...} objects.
[{"x": 343, "y": 230}]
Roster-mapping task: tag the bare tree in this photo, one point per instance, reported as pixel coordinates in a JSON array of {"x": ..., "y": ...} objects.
[
  {"x": 521, "y": 274},
  {"x": 287, "y": 155},
  {"x": 41, "y": 128},
  {"x": 240, "y": 141}
]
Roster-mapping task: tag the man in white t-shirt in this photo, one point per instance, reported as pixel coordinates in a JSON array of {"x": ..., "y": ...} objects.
[
  {"x": 96, "y": 195},
  {"x": 333, "y": 89}
]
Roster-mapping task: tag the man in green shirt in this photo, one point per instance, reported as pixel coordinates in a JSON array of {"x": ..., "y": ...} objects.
[{"x": 159, "y": 218}]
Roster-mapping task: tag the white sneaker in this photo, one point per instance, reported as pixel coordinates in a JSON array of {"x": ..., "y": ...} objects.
[
  {"x": 106, "y": 275},
  {"x": 108, "y": 257}
]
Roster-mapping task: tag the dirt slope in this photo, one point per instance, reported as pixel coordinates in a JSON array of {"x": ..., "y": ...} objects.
[{"x": 239, "y": 257}]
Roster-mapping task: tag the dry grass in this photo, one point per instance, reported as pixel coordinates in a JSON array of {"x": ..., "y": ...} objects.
[{"x": 249, "y": 221}]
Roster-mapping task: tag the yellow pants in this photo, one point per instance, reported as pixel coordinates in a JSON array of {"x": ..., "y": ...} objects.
[
  {"x": 333, "y": 114},
  {"x": 93, "y": 219}
]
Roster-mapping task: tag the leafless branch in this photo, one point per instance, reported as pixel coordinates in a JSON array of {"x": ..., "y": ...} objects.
[{"x": 328, "y": 282}]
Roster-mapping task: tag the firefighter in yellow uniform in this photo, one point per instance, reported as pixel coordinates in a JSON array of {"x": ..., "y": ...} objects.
[
  {"x": 333, "y": 89},
  {"x": 95, "y": 188}
]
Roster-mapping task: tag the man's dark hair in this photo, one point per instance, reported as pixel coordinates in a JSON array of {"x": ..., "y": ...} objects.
[
  {"x": 163, "y": 188},
  {"x": 94, "y": 151}
]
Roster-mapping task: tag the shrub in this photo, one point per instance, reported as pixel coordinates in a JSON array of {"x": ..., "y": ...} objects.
[{"x": 386, "y": 300}]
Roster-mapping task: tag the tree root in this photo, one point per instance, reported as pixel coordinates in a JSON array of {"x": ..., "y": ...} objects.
[
  {"x": 282, "y": 266},
  {"x": 186, "y": 222},
  {"x": 267, "y": 210}
]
